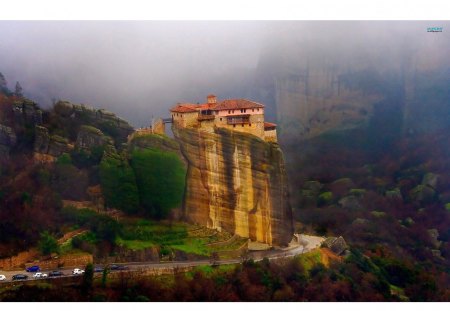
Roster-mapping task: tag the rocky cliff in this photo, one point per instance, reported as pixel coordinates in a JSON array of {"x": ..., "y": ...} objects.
[
  {"x": 236, "y": 182},
  {"x": 382, "y": 75}
]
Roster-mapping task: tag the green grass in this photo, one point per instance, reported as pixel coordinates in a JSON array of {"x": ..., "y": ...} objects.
[
  {"x": 309, "y": 260},
  {"x": 134, "y": 244},
  {"x": 193, "y": 246},
  {"x": 137, "y": 234}
]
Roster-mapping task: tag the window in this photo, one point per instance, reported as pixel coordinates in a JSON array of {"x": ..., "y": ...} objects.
[
  {"x": 234, "y": 125},
  {"x": 257, "y": 109},
  {"x": 242, "y": 125},
  {"x": 253, "y": 109},
  {"x": 245, "y": 110},
  {"x": 229, "y": 111},
  {"x": 220, "y": 119}
]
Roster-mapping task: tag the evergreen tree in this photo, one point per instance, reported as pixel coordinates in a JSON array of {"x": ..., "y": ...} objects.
[
  {"x": 160, "y": 178},
  {"x": 18, "y": 90},
  {"x": 3, "y": 85},
  {"x": 119, "y": 183}
]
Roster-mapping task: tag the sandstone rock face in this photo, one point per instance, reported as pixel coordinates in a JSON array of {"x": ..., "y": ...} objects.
[
  {"x": 89, "y": 137},
  {"x": 236, "y": 182},
  {"x": 102, "y": 119},
  {"x": 52, "y": 145},
  {"x": 322, "y": 83}
]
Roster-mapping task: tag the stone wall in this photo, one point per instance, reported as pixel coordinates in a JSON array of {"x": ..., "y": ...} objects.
[
  {"x": 27, "y": 258},
  {"x": 19, "y": 260},
  {"x": 271, "y": 136},
  {"x": 185, "y": 119}
]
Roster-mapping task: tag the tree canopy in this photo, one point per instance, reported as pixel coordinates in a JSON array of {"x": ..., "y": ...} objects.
[{"x": 160, "y": 179}]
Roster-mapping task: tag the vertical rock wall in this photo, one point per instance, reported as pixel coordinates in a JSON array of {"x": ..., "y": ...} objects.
[{"x": 236, "y": 182}]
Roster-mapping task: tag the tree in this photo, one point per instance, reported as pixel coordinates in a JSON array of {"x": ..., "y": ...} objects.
[
  {"x": 18, "y": 90},
  {"x": 3, "y": 85},
  {"x": 160, "y": 178},
  {"x": 48, "y": 244},
  {"x": 88, "y": 279},
  {"x": 119, "y": 183}
]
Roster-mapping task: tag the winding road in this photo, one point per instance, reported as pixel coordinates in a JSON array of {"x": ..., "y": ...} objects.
[{"x": 307, "y": 244}]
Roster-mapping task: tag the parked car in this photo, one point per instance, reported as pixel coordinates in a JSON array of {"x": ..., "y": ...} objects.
[
  {"x": 33, "y": 269},
  {"x": 2, "y": 277},
  {"x": 19, "y": 277},
  {"x": 98, "y": 269},
  {"x": 77, "y": 271},
  {"x": 118, "y": 267},
  {"x": 40, "y": 275},
  {"x": 55, "y": 273}
]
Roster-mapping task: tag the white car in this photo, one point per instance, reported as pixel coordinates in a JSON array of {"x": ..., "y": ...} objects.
[
  {"x": 40, "y": 275},
  {"x": 2, "y": 277},
  {"x": 77, "y": 271}
]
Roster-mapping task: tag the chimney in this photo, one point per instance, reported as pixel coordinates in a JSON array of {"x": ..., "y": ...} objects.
[{"x": 211, "y": 99}]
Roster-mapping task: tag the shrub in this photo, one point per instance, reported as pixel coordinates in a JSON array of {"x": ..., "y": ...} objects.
[{"x": 48, "y": 244}]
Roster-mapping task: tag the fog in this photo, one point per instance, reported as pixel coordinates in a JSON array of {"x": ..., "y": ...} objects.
[
  {"x": 138, "y": 69},
  {"x": 135, "y": 69}
]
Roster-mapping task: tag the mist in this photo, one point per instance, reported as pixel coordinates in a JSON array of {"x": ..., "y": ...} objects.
[{"x": 137, "y": 69}]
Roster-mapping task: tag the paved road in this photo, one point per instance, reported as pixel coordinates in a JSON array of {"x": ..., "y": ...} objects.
[{"x": 307, "y": 244}]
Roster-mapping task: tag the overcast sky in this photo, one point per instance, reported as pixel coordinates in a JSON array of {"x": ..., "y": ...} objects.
[
  {"x": 139, "y": 69},
  {"x": 135, "y": 69}
]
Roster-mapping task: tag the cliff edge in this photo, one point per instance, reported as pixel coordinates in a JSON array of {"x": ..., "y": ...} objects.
[{"x": 236, "y": 182}]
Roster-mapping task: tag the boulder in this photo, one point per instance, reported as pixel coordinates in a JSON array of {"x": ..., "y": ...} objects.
[
  {"x": 89, "y": 137},
  {"x": 431, "y": 180},
  {"x": 64, "y": 108},
  {"x": 58, "y": 145},
  {"x": 337, "y": 245},
  {"x": 422, "y": 194}
]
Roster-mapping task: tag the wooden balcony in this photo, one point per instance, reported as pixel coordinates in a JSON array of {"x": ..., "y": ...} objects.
[
  {"x": 238, "y": 119},
  {"x": 205, "y": 117}
]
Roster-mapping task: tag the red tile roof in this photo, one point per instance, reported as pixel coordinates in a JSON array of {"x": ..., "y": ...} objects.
[
  {"x": 229, "y": 104},
  {"x": 183, "y": 108},
  {"x": 210, "y": 95},
  {"x": 268, "y": 124}
]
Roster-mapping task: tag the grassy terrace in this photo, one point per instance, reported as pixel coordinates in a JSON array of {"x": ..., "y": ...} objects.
[{"x": 138, "y": 234}]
